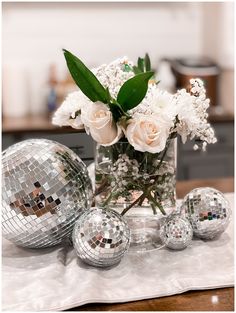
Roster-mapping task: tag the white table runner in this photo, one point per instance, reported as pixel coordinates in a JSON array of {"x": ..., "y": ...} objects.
[{"x": 55, "y": 279}]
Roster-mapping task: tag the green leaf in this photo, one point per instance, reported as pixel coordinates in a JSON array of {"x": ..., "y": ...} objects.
[
  {"x": 108, "y": 95},
  {"x": 141, "y": 64},
  {"x": 85, "y": 79},
  {"x": 147, "y": 63},
  {"x": 136, "y": 70},
  {"x": 116, "y": 111},
  {"x": 133, "y": 91}
]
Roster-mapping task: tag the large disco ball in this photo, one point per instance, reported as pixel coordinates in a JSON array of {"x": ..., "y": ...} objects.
[
  {"x": 101, "y": 237},
  {"x": 45, "y": 188},
  {"x": 208, "y": 211}
]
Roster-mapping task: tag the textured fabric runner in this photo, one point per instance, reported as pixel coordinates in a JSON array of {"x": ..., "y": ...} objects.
[{"x": 55, "y": 279}]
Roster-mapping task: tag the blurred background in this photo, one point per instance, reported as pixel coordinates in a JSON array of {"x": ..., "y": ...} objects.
[{"x": 191, "y": 39}]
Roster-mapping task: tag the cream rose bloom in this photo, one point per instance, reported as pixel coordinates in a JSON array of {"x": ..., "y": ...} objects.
[
  {"x": 148, "y": 132},
  {"x": 98, "y": 121}
]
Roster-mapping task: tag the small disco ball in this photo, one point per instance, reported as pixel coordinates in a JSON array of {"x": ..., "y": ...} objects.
[
  {"x": 208, "y": 212},
  {"x": 45, "y": 188},
  {"x": 101, "y": 237},
  {"x": 176, "y": 232}
]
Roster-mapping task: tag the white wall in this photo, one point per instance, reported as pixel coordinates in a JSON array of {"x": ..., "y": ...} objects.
[
  {"x": 35, "y": 33},
  {"x": 99, "y": 32},
  {"x": 217, "y": 32}
]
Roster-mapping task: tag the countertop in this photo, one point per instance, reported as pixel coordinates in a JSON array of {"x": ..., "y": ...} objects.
[{"x": 208, "y": 300}]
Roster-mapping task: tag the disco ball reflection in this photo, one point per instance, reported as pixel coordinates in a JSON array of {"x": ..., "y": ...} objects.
[
  {"x": 208, "y": 211},
  {"x": 101, "y": 237},
  {"x": 45, "y": 188}
]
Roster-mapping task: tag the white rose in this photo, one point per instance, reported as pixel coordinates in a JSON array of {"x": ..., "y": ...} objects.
[
  {"x": 148, "y": 132},
  {"x": 99, "y": 123}
]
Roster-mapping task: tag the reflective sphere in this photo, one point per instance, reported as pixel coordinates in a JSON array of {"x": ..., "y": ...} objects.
[
  {"x": 45, "y": 188},
  {"x": 208, "y": 212},
  {"x": 101, "y": 237},
  {"x": 176, "y": 232}
]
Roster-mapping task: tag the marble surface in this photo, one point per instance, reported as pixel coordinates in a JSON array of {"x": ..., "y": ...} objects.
[{"x": 55, "y": 279}]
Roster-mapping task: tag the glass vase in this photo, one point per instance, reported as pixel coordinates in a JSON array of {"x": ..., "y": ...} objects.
[{"x": 140, "y": 186}]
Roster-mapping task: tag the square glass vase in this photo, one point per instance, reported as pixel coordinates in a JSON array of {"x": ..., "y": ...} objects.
[{"x": 138, "y": 185}]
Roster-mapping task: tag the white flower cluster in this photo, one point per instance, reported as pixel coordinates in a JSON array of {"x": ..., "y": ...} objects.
[
  {"x": 127, "y": 176},
  {"x": 159, "y": 116},
  {"x": 123, "y": 170},
  {"x": 115, "y": 74},
  {"x": 124, "y": 166},
  {"x": 192, "y": 114},
  {"x": 165, "y": 168},
  {"x": 69, "y": 113}
]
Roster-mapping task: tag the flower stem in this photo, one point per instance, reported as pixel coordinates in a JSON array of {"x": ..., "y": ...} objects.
[
  {"x": 156, "y": 203},
  {"x": 153, "y": 208},
  {"x": 101, "y": 188},
  {"x": 142, "y": 197},
  {"x": 164, "y": 154},
  {"x": 108, "y": 199}
]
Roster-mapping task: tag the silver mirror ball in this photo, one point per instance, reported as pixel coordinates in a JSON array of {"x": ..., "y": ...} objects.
[
  {"x": 45, "y": 188},
  {"x": 208, "y": 211},
  {"x": 176, "y": 232},
  {"x": 101, "y": 237}
]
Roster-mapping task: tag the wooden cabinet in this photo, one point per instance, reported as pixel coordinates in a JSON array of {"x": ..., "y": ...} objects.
[
  {"x": 217, "y": 161},
  {"x": 81, "y": 143}
]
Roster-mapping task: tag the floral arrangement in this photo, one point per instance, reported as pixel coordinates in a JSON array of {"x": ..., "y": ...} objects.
[
  {"x": 121, "y": 107},
  {"x": 122, "y": 100}
]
